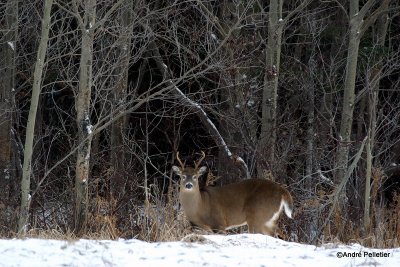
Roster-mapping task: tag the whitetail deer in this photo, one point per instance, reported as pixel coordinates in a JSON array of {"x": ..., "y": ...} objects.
[{"x": 255, "y": 202}]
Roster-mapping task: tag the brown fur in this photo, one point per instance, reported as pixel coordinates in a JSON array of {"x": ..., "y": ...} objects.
[{"x": 253, "y": 202}]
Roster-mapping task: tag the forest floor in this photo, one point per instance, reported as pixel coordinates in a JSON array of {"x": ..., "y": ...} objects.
[{"x": 209, "y": 250}]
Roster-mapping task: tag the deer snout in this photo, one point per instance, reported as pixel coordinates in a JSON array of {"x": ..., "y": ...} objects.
[{"x": 188, "y": 185}]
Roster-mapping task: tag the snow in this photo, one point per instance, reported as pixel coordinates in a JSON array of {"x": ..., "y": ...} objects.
[
  {"x": 11, "y": 44},
  {"x": 324, "y": 178},
  {"x": 210, "y": 250},
  {"x": 214, "y": 36},
  {"x": 250, "y": 103},
  {"x": 89, "y": 129}
]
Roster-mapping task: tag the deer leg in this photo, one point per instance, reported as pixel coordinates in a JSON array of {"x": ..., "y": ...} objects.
[{"x": 255, "y": 228}]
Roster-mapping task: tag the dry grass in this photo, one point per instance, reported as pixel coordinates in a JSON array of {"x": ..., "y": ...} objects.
[
  {"x": 384, "y": 229},
  {"x": 160, "y": 219}
]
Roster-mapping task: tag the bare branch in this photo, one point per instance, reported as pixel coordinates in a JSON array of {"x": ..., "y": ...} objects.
[
  {"x": 109, "y": 12},
  {"x": 74, "y": 14},
  {"x": 199, "y": 111},
  {"x": 213, "y": 19},
  {"x": 337, "y": 193},
  {"x": 299, "y": 8},
  {"x": 383, "y": 8}
]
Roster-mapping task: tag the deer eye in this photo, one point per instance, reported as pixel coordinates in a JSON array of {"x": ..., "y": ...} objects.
[{"x": 183, "y": 177}]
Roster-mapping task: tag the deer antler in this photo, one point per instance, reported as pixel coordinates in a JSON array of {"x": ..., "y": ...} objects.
[
  {"x": 179, "y": 160},
  {"x": 197, "y": 164}
]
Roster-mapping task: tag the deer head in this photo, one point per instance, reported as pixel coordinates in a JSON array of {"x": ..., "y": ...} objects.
[{"x": 188, "y": 175}]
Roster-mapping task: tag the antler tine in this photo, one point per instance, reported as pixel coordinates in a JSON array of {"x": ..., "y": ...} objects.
[
  {"x": 197, "y": 164},
  {"x": 179, "y": 160}
]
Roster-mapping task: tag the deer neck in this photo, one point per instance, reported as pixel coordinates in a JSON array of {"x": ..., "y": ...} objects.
[{"x": 191, "y": 201}]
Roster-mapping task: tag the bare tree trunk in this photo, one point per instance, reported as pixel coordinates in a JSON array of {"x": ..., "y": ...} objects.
[
  {"x": 357, "y": 28},
  {"x": 36, "y": 88},
  {"x": 311, "y": 113},
  {"x": 267, "y": 141},
  {"x": 349, "y": 87},
  {"x": 270, "y": 92},
  {"x": 82, "y": 106},
  {"x": 120, "y": 93},
  {"x": 380, "y": 33},
  {"x": 7, "y": 84}
]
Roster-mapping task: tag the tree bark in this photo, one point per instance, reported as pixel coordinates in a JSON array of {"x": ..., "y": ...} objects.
[
  {"x": 36, "y": 89},
  {"x": 8, "y": 54},
  {"x": 357, "y": 28},
  {"x": 348, "y": 95},
  {"x": 375, "y": 76},
  {"x": 270, "y": 92},
  {"x": 82, "y": 106},
  {"x": 119, "y": 126},
  {"x": 268, "y": 135}
]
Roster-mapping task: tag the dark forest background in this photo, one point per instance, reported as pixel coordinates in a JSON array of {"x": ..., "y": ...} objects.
[{"x": 98, "y": 96}]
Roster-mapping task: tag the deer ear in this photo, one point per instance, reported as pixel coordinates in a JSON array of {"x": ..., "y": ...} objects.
[
  {"x": 202, "y": 170},
  {"x": 176, "y": 170}
]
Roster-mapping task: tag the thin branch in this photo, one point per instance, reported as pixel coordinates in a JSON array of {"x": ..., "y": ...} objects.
[
  {"x": 365, "y": 8},
  {"x": 299, "y": 8},
  {"x": 121, "y": 110},
  {"x": 337, "y": 193},
  {"x": 74, "y": 14},
  {"x": 212, "y": 129},
  {"x": 109, "y": 12},
  {"x": 213, "y": 18},
  {"x": 383, "y": 8}
]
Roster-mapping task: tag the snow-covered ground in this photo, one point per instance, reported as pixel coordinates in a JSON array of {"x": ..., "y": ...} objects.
[{"x": 210, "y": 250}]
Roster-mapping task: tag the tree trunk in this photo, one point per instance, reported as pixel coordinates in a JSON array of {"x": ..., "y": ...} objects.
[
  {"x": 270, "y": 92},
  {"x": 120, "y": 93},
  {"x": 357, "y": 28},
  {"x": 375, "y": 76},
  {"x": 82, "y": 106},
  {"x": 7, "y": 84},
  {"x": 348, "y": 96},
  {"x": 36, "y": 88},
  {"x": 313, "y": 72}
]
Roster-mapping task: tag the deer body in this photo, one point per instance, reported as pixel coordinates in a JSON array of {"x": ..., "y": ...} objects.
[{"x": 255, "y": 202}]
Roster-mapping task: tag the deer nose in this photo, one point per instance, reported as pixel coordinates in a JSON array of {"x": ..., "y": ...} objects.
[{"x": 188, "y": 186}]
